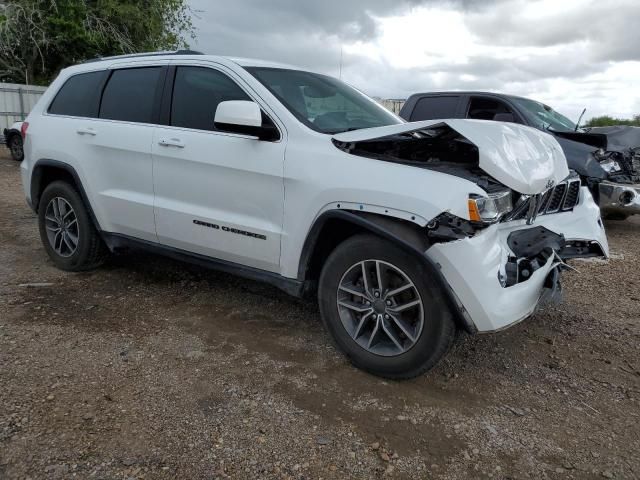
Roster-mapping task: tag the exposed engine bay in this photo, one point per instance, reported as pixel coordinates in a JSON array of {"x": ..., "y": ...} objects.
[
  {"x": 623, "y": 166},
  {"x": 438, "y": 148}
]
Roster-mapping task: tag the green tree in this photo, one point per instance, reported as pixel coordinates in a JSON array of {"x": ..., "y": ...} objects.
[
  {"x": 606, "y": 120},
  {"x": 40, "y": 37}
]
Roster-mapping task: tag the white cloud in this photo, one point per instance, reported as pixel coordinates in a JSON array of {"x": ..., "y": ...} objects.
[{"x": 570, "y": 54}]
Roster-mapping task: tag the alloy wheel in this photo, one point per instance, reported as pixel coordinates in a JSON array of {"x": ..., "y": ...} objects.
[
  {"x": 380, "y": 307},
  {"x": 62, "y": 227}
]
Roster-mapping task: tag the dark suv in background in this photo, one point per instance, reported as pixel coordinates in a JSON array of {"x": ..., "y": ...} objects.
[{"x": 607, "y": 159}]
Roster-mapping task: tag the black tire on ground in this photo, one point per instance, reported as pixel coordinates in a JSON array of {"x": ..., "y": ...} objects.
[
  {"x": 91, "y": 251},
  {"x": 438, "y": 332},
  {"x": 15, "y": 146}
]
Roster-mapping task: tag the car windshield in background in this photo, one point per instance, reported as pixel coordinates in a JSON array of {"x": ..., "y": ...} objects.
[
  {"x": 544, "y": 116},
  {"x": 324, "y": 104}
]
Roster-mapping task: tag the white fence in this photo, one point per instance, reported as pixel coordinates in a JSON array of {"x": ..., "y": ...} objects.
[
  {"x": 392, "y": 104},
  {"x": 16, "y": 101}
]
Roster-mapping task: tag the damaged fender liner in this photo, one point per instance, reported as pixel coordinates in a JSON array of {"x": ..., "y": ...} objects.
[
  {"x": 448, "y": 228},
  {"x": 532, "y": 248}
]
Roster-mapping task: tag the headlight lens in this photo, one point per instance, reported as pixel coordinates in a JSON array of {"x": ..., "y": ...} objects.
[
  {"x": 611, "y": 166},
  {"x": 490, "y": 209},
  {"x": 607, "y": 161}
]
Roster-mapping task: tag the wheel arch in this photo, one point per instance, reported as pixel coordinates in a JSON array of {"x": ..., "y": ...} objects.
[
  {"x": 334, "y": 226},
  {"x": 46, "y": 171}
]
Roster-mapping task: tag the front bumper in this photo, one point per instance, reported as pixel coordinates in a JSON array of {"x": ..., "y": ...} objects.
[
  {"x": 619, "y": 198},
  {"x": 473, "y": 267}
]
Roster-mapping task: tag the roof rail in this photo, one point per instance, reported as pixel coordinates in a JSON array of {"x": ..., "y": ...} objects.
[{"x": 138, "y": 55}]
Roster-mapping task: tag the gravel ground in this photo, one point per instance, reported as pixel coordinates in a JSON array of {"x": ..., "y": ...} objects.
[{"x": 148, "y": 368}]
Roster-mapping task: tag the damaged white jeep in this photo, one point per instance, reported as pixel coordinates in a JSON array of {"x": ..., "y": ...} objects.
[{"x": 406, "y": 231}]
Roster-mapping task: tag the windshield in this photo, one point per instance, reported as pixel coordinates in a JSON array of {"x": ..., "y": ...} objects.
[
  {"x": 324, "y": 104},
  {"x": 545, "y": 117}
]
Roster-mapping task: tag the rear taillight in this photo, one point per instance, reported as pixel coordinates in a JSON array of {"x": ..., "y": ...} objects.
[{"x": 23, "y": 130}]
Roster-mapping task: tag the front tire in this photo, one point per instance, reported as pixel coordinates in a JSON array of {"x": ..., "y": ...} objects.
[
  {"x": 16, "y": 147},
  {"x": 66, "y": 230},
  {"x": 383, "y": 309}
]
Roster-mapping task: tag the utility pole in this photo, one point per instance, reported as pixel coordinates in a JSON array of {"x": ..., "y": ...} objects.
[{"x": 341, "y": 48}]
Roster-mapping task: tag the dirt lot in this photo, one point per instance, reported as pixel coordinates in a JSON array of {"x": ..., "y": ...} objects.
[{"x": 148, "y": 368}]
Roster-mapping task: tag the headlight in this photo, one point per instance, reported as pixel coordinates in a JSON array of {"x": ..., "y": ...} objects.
[
  {"x": 607, "y": 161},
  {"x": 611, "y": 166},
  {"x": 489, "y": 209}
]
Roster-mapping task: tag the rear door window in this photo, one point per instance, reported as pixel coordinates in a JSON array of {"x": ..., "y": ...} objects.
[
  {"x": 80, "y": 95},
  {"x": 197, "y": 91},
  {"x": 483, "y": 108},
  {"x": 432, "y": 108},
  {"x": 130, "y": 95}
]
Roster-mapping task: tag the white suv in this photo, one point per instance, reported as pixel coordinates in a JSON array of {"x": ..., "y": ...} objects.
[{"x": 406, "y": 231}]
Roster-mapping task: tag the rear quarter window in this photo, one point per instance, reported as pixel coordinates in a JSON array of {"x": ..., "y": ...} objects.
[
  {"x": 79, "y": 96},
  {"x": 432, "y": 108}
]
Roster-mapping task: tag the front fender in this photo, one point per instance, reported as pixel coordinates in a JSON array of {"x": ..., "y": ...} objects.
[{"x": 413, "y": 248}]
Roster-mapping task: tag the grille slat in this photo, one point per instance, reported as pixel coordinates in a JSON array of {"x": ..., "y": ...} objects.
[
  {"x": 572, "y": 196},
  {"x": 545, "y": 201},
  {"x": 561, "y": 198},
  {"x": 556, "y": 198}
]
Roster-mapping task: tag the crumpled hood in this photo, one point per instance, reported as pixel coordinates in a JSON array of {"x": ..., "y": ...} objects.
[
  {"x": 580, "y": 157},
  {"x": 522, "y": 158},
  {"x": 619, "y": 137}
]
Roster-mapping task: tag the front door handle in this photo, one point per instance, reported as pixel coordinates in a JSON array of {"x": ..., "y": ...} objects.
[
  {"x": 173, "y": 142},
  {"x": 86, "y": 131}
]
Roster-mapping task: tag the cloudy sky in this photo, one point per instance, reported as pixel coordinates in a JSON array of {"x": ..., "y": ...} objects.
[{"x": 570, "y": 54}]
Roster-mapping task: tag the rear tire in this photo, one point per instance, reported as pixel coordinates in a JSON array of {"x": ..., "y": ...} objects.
[
  {"x": 15, "y": 145},
  {"x": 66, "y": 230},
  {"x": 384, "y": 337}
]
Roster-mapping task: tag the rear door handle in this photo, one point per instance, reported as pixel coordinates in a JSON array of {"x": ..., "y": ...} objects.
[
  {"x": 173, "y": 142},
  {"x": 86, "y": 131}
]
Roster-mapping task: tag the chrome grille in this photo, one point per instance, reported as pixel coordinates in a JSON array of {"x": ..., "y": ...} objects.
[
  {"x": 557, "y": 196},
  {"x": 572, "y": 197},
  {"x": 636, "y": 160},
  {"x": 561, "y": 198}
]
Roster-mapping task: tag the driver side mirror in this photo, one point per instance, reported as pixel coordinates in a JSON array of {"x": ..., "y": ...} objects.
[{"x": 246, "y": 118}]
